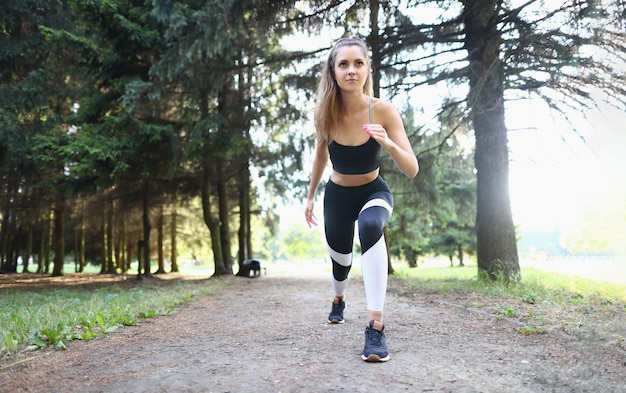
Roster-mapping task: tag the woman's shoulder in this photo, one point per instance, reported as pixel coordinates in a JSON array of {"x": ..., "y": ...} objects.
[
  {"x": 382, "y": 108},
  {"x": 380, "y": 102}
]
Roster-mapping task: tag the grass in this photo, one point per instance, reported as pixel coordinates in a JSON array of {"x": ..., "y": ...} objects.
[
  {"x": 53, "y": 317},
  {"x": 536, "y": 285},
  {"x": 541, "y": 302}
]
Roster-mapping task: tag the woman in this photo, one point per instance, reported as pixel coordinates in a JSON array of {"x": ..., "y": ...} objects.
[{"x": 352, "y": 129}]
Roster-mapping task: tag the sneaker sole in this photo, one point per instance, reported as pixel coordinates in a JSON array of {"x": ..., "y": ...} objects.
[{"x": 373, "y": 358}]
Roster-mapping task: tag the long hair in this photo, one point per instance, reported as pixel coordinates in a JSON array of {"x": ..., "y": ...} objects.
[{"x": 328, "y": 95}]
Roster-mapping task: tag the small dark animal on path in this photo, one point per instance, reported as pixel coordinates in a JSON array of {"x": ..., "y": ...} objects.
[{"x": 250, "y": 266}]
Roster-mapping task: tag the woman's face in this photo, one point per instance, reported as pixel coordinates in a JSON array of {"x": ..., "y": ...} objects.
[{"x": 351, "y": 68}]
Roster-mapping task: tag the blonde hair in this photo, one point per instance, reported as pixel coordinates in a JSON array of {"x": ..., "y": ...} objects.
[{"x": 328, "y": 94}]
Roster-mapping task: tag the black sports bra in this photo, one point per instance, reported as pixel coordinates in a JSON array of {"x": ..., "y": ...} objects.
[{"x": 356, "y": 160}]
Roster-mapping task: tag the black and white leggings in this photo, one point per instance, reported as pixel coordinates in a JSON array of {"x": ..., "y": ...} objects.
[{"x": 370, "y": 205}]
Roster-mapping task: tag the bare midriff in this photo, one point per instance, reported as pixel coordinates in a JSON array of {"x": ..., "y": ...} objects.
[{"x": 353, "y": 180}]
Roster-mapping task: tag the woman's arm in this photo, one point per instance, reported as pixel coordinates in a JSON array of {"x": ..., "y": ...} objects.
[
  {"x": 319, "y": 165},
  {"x": 392, "y": 137}
]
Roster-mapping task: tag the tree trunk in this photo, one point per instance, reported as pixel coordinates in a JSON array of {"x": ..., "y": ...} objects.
[
  {"x": 42, "y": 248},
  {"x": 58, "y": 239},
  {"x": 111, "y": 268},
  {"x": 244, "y": 235},
  {"x": 224, "y": 218},
  {"x": 208, "y": 171},
  {"x": 81, "y": 263},
  {"x": 29, "y": 249},
  {"x": 79, "y": 241},
  {"x": 8, "y": 263},
  {"x": 174, "y": 246},
  {"x": 48, "y": 241},
  {"x": 76, "y": 250},
  {"x": 375, "y": 44},
  {"x": 160, "y": 235},
  {"x": 214, "y": 231},
  {"x": 14, "y": 251},
  {"x": 228, "y": 107},
  {"x": 8, "y": 259},
  {"x": 242, "y": 123},
  {"x": 105, "y": 243},
  {"x": 496, "y": 243},
  {"x": 140, "y": 260},
  {"x": 248, "y": 218},
  {"x": 4, "y": 240},
  {"x": 120, "y": 247},
  {"x": 129, "y": 254},
  {"x": 147, "y": 226},
  {"x": 410, "y": 255}
]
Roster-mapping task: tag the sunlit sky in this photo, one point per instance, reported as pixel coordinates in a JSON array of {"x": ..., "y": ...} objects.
[{"x": 556, "y": 171}]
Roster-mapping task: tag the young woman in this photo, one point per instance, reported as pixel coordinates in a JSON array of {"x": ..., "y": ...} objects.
[{"x": 352, "y": 129}]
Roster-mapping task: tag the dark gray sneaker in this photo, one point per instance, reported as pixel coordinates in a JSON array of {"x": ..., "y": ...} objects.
[
  {"x": 375, "y": 343},
  {"x": 336, "y": 312}
]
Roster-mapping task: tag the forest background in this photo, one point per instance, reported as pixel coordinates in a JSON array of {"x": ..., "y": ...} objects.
[{"x": 145, "y": 130}]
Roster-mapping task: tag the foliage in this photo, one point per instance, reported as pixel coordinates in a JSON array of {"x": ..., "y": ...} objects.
[{"x": 296, "y": 242}]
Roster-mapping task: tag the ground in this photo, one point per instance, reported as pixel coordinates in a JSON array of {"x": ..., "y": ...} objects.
[{"x": 270, "y": 334}]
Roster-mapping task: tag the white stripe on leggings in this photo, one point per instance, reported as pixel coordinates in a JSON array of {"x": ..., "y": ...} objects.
[
  {"x": 342, "y": 259},
  {"x": 374, "y": 270},
  {"x": 378, "y": 202}
]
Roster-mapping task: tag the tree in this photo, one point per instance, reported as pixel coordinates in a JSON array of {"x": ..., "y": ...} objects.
[
  {"x": 20, "y": 63},
  {"x": 530, "y": 49},
  {"x": 496, "y": 243},
  {"x": 127, "y": 143},
  {"x": 35, "y": 119}
]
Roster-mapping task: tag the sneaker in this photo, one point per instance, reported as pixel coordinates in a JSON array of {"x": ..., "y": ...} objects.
[
  {"x": 375, "y": 343},
  {"x": 336, "y": 312}
]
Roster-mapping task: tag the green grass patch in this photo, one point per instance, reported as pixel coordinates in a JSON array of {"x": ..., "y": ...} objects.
[
  {"x": 540, "y": 302},
  {"x": 536, "y": 286},
  {"x": 53, "y": 317}
]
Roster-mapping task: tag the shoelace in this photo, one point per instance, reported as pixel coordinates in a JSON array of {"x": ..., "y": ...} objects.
[{"x": 374, "y": 336}]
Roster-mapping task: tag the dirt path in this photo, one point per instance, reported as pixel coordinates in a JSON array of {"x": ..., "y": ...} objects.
[{"x": 270, "y": 335}]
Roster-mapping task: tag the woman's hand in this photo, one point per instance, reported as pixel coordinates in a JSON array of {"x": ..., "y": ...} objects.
[
  {"x": 309, "y": 215},
  {"x": 379, "y": 134},
  {"x": 394, "y": 140}
]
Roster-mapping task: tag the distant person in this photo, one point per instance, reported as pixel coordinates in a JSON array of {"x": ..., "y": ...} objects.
[{"x": 352, "y": 129}]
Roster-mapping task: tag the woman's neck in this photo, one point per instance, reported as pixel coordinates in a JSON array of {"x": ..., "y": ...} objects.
[{"x": 353, "y": 103}]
